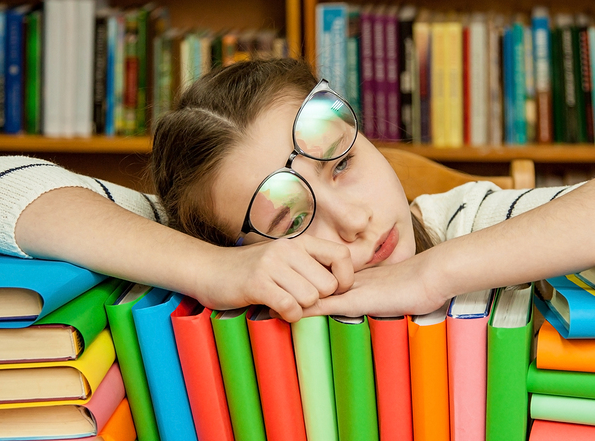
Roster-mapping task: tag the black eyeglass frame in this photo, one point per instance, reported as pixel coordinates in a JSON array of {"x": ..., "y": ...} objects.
[{"x": 247, "y": 226}]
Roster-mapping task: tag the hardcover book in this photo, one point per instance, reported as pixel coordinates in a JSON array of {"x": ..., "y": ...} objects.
[
  {"x": 561, "y": 383},
  {"x": 558, "y": 353}
]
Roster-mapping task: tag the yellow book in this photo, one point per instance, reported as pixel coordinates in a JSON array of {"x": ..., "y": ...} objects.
[
  {"x": 438, "y": 75},
  {"x": 293, "y": 26},
  {"x": 453, "y": 89},
  {"x": 58, "y": 382}
]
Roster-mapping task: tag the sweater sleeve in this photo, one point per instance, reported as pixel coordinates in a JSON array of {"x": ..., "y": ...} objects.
[
  {"x": 477, "y": 205},
  {"x": 24, "y": 179}
]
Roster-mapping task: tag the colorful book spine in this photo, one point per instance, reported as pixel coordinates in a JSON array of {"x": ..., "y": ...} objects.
[
  {"x": 563, "y": 409},
  {"x": 353, "y": 377},
  {"x": 352, "y": 85},
  {"x": 453, "y": 47},
  {"x": 558, "y": 353},
  {"x": 530, "y": 99},
  {"x": 100, "y": 74},
  {"x": 2, "y": 66},
  {"x": 560, "y": 383},
  {"x": 519, "y": 92},
  {"x": 478, "y": 80},
  {"x": 508, "y": 81},
  {"x": 121, "y": 322},
  {"x": 429, "y": 376},
  {"x": 379, "y": 62},
  {"x": 143, "y": 45},
  {"x": 14, "y": 70},
  {"x": 438, "y": 83},
  {"x": 84, "y": 59},
  {"x": 390, "y": 348},
  {"x": 584, "y": 71},
  {"x": 507, "y": 398},
  {"x": 421, "y": 117},
  {"x": 495, "y": 77},
  {"x": 110, "y": 87},
  {"x": 311, "y": 344},
  {"x": 33, "y": 72},
  {"x": 367, "y": 72},
  {"x": 202, "y": 373},
  {"x": 131, "y": 72},
  {"x": 239, "y": 377},
  {"x": 542, "y": 66},
  {"x": 162, "y": 364},
  {"x": 392, "y": 72},
  {"x": 275, "y": 367},
  {"x": 407, "y": 71},
  {"x": 331, "y": 43},
  {"x": 591, "y": 33}
]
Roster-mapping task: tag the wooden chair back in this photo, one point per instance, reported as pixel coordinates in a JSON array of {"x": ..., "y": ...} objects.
[{"x": 420, "y": 175}]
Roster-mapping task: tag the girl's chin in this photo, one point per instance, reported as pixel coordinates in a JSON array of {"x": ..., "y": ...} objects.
[{"x": 400, "y": 254}]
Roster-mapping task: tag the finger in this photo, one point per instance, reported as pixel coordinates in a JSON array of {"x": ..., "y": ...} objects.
[
  {"x": 305, "y": 289},
  {"x": 346, "y": 304},
  {"x": 280, "y": 301},
  {"x": 335, "y": 256}
]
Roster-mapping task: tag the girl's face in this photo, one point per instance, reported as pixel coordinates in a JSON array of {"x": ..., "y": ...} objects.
[{"x": 359, "y": 200}]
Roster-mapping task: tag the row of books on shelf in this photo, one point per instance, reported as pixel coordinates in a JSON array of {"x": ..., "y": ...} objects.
[
  {"x": 84, "y": 356},
  {"x": 451, "y": 78},
  {"x": 71, "y": 70}
]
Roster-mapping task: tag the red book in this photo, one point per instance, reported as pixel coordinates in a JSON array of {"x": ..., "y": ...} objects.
[
  {"x": 555, "y": 431},
  {"x": 274, "y": 362},
  {"x": 390, "y": 346},
  {"x": 202, "y": 373}
]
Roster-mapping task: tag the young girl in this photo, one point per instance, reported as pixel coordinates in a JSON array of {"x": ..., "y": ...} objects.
[{"x": 259, "y": 151}]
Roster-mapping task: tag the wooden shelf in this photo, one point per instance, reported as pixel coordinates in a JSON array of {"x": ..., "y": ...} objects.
[{"x": 93, "y": 145}]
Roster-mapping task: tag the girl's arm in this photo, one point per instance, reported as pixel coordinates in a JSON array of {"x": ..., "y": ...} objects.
[
  {"x": 553, "y": 239},
  {"x": 82, "y": 227}
]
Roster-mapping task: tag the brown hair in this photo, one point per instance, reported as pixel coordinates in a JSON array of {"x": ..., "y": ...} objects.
[{"x": 209, "y": 120}]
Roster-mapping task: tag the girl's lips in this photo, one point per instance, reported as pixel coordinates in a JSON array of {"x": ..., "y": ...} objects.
[{"x": 386, "y": 247}]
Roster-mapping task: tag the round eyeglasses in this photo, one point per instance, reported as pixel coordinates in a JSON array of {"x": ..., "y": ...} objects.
[{"x": 283, "y": 205}]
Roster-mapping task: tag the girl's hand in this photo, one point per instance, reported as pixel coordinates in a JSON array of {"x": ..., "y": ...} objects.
[
  {"x": 286, "y": 275},
  {"x": 385, "y": 291}
]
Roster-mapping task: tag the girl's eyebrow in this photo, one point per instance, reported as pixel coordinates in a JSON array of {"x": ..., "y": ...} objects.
[
  {"x": 328, "y": 154},
  {"x": 277, "y": 220}
]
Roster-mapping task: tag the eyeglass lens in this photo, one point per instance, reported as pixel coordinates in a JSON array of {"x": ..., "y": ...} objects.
[
  {"x": 325, "y": 127},
  {"x": 283, "y": 206}
]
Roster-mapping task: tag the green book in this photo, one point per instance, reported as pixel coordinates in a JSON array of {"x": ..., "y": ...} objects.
[
  {"x": 353, "y": 377},
  {"x": 564, "y": 383},
  {"x": 63, "y": 334},
  {"x": 563, "y": 409},
  {"x": 509, "y": 348},
  {"x": 239, "y": 377},
  {"x": 311, "y": 344},
  {"x": 33, "y": 72},
  {"x": 119, "y": 314}
]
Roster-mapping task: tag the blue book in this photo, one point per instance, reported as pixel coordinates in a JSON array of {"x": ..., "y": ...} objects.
[
  {"x": 508, "y": 76},
  {"x": 110, "y": 87},
  {"x": 571, "y": 309},
  {"x": 332, "y": 23},
  {"x": 519, "y": 84},
  {"x": 162, "y": 364},
  {"x": 32, "y": 288},
  {"x": 14, "y": 73}
]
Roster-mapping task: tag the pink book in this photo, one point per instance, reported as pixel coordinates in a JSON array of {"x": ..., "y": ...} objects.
[
  {"x": 367, "y": 72},
  {"x": 466, "y": 325}
]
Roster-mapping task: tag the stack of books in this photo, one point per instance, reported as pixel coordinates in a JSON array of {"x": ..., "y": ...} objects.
[
  {"x": 59, "y": 377},
  {"x": 561, "y": 379}
]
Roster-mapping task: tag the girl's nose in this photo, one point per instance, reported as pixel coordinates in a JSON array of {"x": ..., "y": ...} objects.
[{"x": 348, "y": 217}]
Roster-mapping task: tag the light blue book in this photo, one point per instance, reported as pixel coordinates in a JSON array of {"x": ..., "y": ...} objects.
[
  {"x": 331, "y": 44},
  {"x": 519, "y": 84},
  {"x": 32, "y": 288},
  {"x": 571, "y": 309},
  {"x": 110, "y": 88},
  {"x": 508, "y": 76},
  {"x": 162, "y": 364},
  {"x": 542, "y": 56}
]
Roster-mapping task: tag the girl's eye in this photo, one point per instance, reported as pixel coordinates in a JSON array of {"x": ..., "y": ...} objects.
[
  {"x": 296, "y": 224},
  {"x": 342, "y": 165}
]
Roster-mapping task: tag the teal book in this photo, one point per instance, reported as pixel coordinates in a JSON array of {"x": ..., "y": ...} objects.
[
  {"x": 562, "y": 383},
  {"x": 510, "y": 331},
  {"x": 353, "y": 377},
  {"x": 311, "y": 344},
  {"x": 331, "y": 42},
  {"x": 569, "y": 306},
  {"x": 118, "y": 308},
  {"x": 156, "y": 339},
  {"x": 32, "y": 288},
  {"x": 519, "y": 86},
  {"x": 239, "y": 375}
]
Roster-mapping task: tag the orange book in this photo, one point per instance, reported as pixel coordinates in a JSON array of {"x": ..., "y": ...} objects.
[
  {"x": 293, "y": 27},
  {"x": 390, "y": 347},
  {"x": 276, "y": 372},
  {"x": 555, "y": 431},
  {"x": 202, "y": 374},
  {"x": 309, "y": 20},
  {"x": 429, "y": 376},
  {"x": 557, "y": 353},
  {"x": 120, "y": 426}
]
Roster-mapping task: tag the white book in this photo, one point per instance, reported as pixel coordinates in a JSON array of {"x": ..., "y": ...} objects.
[
  {"x": 53, "y": 68},
  {"x": 478, "y": 48},
  {"x": 85, "y": 31},
  {"x": 69, "y": 42}
]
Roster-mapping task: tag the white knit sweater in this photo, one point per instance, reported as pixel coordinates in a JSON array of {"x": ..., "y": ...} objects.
[{"x": 460, "y": 211}]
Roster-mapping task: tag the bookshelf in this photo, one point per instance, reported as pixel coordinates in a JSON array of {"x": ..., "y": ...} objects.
[{"x": 122, "y": 159}]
